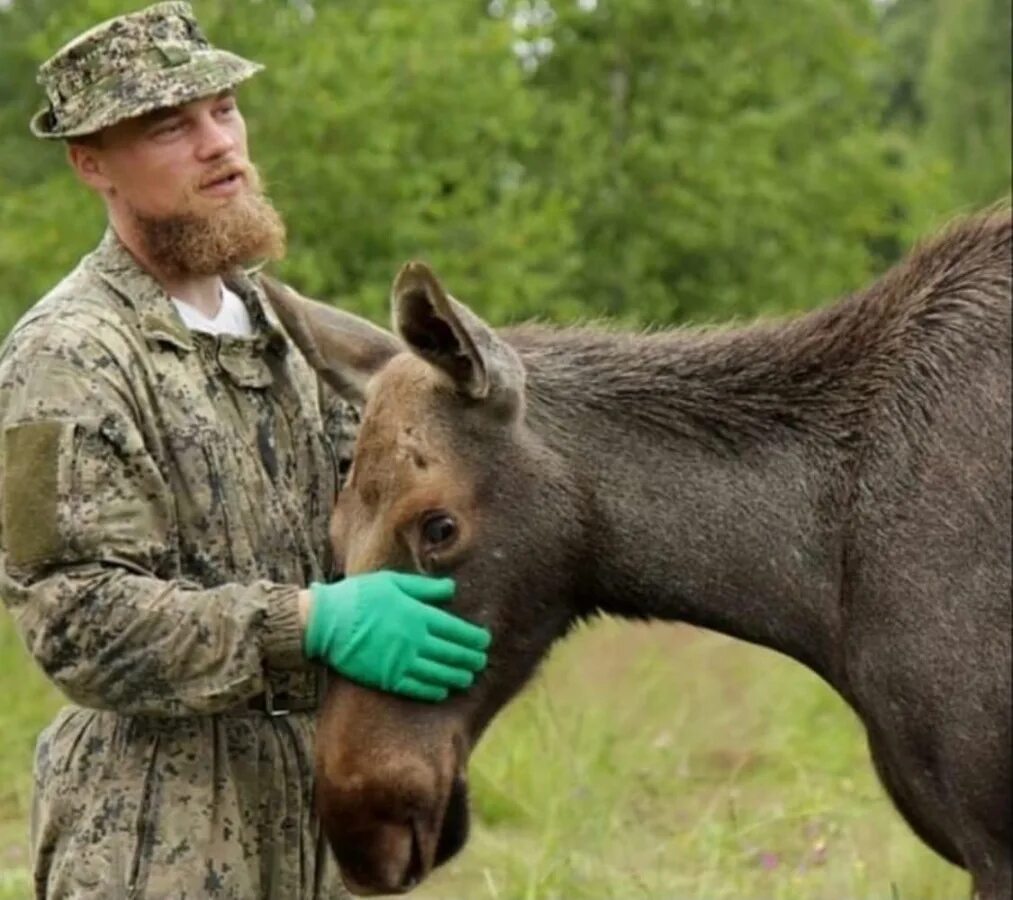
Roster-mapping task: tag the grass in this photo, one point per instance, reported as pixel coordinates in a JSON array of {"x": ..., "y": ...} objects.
[
  {"x": 662, "y": 762},
  {"x": 28, "y": 702},
  {"x": 645, "y": 762}
]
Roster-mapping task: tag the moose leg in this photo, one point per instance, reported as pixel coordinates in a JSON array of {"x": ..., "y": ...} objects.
[
  {"x": 951, "y": 794},
  {"x": 912, "y": 806},
  {"x": 928, "y": 655},
  {"x": 991, "y": 865},
  {"x": 964, "y": 843},
  {"x": 953, "y": 791}
]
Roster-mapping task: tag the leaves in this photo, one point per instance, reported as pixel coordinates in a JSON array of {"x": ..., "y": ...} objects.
[{"x": 652, "y": 160}]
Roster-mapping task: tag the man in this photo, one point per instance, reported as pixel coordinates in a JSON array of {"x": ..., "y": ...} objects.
[{"x": 168, "y": 466}]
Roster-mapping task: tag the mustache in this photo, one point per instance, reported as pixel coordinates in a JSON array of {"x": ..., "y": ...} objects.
[{"x": 227, "y": 168}]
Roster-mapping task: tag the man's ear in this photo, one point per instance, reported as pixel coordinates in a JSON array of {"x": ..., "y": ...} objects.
[
  {"x": 448, "y": 335},
  {"x": 345, "y": 349},
  {"x": 86, "y": 162}
]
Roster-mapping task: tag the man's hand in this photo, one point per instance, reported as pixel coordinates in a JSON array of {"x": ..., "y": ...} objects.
[{"x": 384, "y": 630}]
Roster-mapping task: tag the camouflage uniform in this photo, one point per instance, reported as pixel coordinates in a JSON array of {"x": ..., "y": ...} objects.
[{"x": 164, "y": 495}]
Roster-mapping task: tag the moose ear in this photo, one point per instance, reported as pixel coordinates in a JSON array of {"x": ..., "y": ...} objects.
[
  {"x": 346, "y": 350},
  {"x": 451, "y": 337}
]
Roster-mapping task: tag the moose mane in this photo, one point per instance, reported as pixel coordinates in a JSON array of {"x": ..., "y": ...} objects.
[{"x": 822, "y": 374}]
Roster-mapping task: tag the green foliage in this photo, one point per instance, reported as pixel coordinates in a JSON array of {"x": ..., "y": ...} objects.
[
  {"x": 948, "y": 77},
  {"x": 907, "y": 27},
  {"x": 968, "y": 84},
  {"x": 654, "y": 161},
  {"x": 737, "y": 166},
  {"x": 29, "y": 703}
]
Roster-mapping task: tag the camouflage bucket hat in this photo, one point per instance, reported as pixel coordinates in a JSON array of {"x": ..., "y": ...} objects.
[{"x": 129, "y": 66}]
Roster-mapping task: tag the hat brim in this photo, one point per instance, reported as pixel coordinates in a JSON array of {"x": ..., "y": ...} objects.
[{"x": 206, "y": 73}]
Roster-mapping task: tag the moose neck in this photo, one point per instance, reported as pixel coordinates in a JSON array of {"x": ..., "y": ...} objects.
[{"x": 713, "y": 468}]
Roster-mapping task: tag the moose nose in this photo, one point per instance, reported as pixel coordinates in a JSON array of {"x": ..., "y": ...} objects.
[
  {"x": 385, "y": 806},
  {"x": 393, "y": 864},
  {"x": 383, "y": 825}
]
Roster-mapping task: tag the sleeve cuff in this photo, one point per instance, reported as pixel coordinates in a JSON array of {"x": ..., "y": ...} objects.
[{"x": 283, "y": 633}]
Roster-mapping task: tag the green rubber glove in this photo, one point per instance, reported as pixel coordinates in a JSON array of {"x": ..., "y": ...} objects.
[{"x": 382, "y": 629}]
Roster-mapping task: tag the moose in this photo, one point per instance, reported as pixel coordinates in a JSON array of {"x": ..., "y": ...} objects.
[{"x": 835, "y": 486}]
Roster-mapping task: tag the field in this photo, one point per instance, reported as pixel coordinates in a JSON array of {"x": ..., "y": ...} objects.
[{"x": 644, "y": 762}]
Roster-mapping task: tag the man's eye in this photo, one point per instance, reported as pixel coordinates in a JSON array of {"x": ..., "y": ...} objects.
[
  {"x": 167, "y": 128},
  {"x": 227, "y": 109}
]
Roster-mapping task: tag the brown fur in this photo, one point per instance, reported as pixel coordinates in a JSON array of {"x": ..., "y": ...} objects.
[{"x": 836, "y": 487}]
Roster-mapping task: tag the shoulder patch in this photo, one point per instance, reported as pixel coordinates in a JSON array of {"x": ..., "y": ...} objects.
[{"x": 31, "y": 485}]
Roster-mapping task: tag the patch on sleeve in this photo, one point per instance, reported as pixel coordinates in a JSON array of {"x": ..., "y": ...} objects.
[{"x": 31, "y": 487}]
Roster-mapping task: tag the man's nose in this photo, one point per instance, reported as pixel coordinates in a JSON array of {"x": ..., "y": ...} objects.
[{"x": 214, "y": 138}]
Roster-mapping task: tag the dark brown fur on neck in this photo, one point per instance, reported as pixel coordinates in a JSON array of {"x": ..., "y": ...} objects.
[{"x": 823, "y": 375}]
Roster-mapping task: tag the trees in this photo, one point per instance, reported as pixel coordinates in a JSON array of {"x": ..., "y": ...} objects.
[
  {"x": 727, "y": 160},
  {"x": 45, "y": 222},
  {"x": 655, "y": 160},
  {"x": 968, "y": 82},
  {"x": 948, "y": 73}
]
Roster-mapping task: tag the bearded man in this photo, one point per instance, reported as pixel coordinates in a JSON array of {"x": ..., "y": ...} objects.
[{"x": 169, "y": 463}]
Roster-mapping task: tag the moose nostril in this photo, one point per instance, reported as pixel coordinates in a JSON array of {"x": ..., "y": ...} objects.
[
  {"x": 384, "y": 860},
  {"x": 454, "y": 832},
  {"x": 413, "y": 871}
]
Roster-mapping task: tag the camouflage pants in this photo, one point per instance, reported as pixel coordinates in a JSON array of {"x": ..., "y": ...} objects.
[{"x": 212, "y": 806}]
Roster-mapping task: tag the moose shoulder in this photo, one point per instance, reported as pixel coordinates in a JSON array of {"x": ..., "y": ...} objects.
[{"x": 835, "y": 487}]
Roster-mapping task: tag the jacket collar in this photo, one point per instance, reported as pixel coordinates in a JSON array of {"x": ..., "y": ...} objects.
[{"x": 156, "y": 314}]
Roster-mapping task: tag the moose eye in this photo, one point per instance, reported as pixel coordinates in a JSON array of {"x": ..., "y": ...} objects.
[{"x": 438, "y": 529}]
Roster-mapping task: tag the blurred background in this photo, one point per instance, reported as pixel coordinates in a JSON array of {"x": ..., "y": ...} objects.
[{"x": 652, "y": 161}]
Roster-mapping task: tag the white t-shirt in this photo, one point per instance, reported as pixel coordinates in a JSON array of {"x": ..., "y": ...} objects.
[{"x": 232, "y": 318}]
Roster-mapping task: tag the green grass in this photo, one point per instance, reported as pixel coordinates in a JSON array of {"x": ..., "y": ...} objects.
[
  {"x": 662, "y": 762},
  {"x": 645, "y": 762},
  {"x": 27, "y": 702}
]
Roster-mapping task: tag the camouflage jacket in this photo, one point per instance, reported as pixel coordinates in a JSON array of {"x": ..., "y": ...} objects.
[{"x": 164, "y": 494}]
